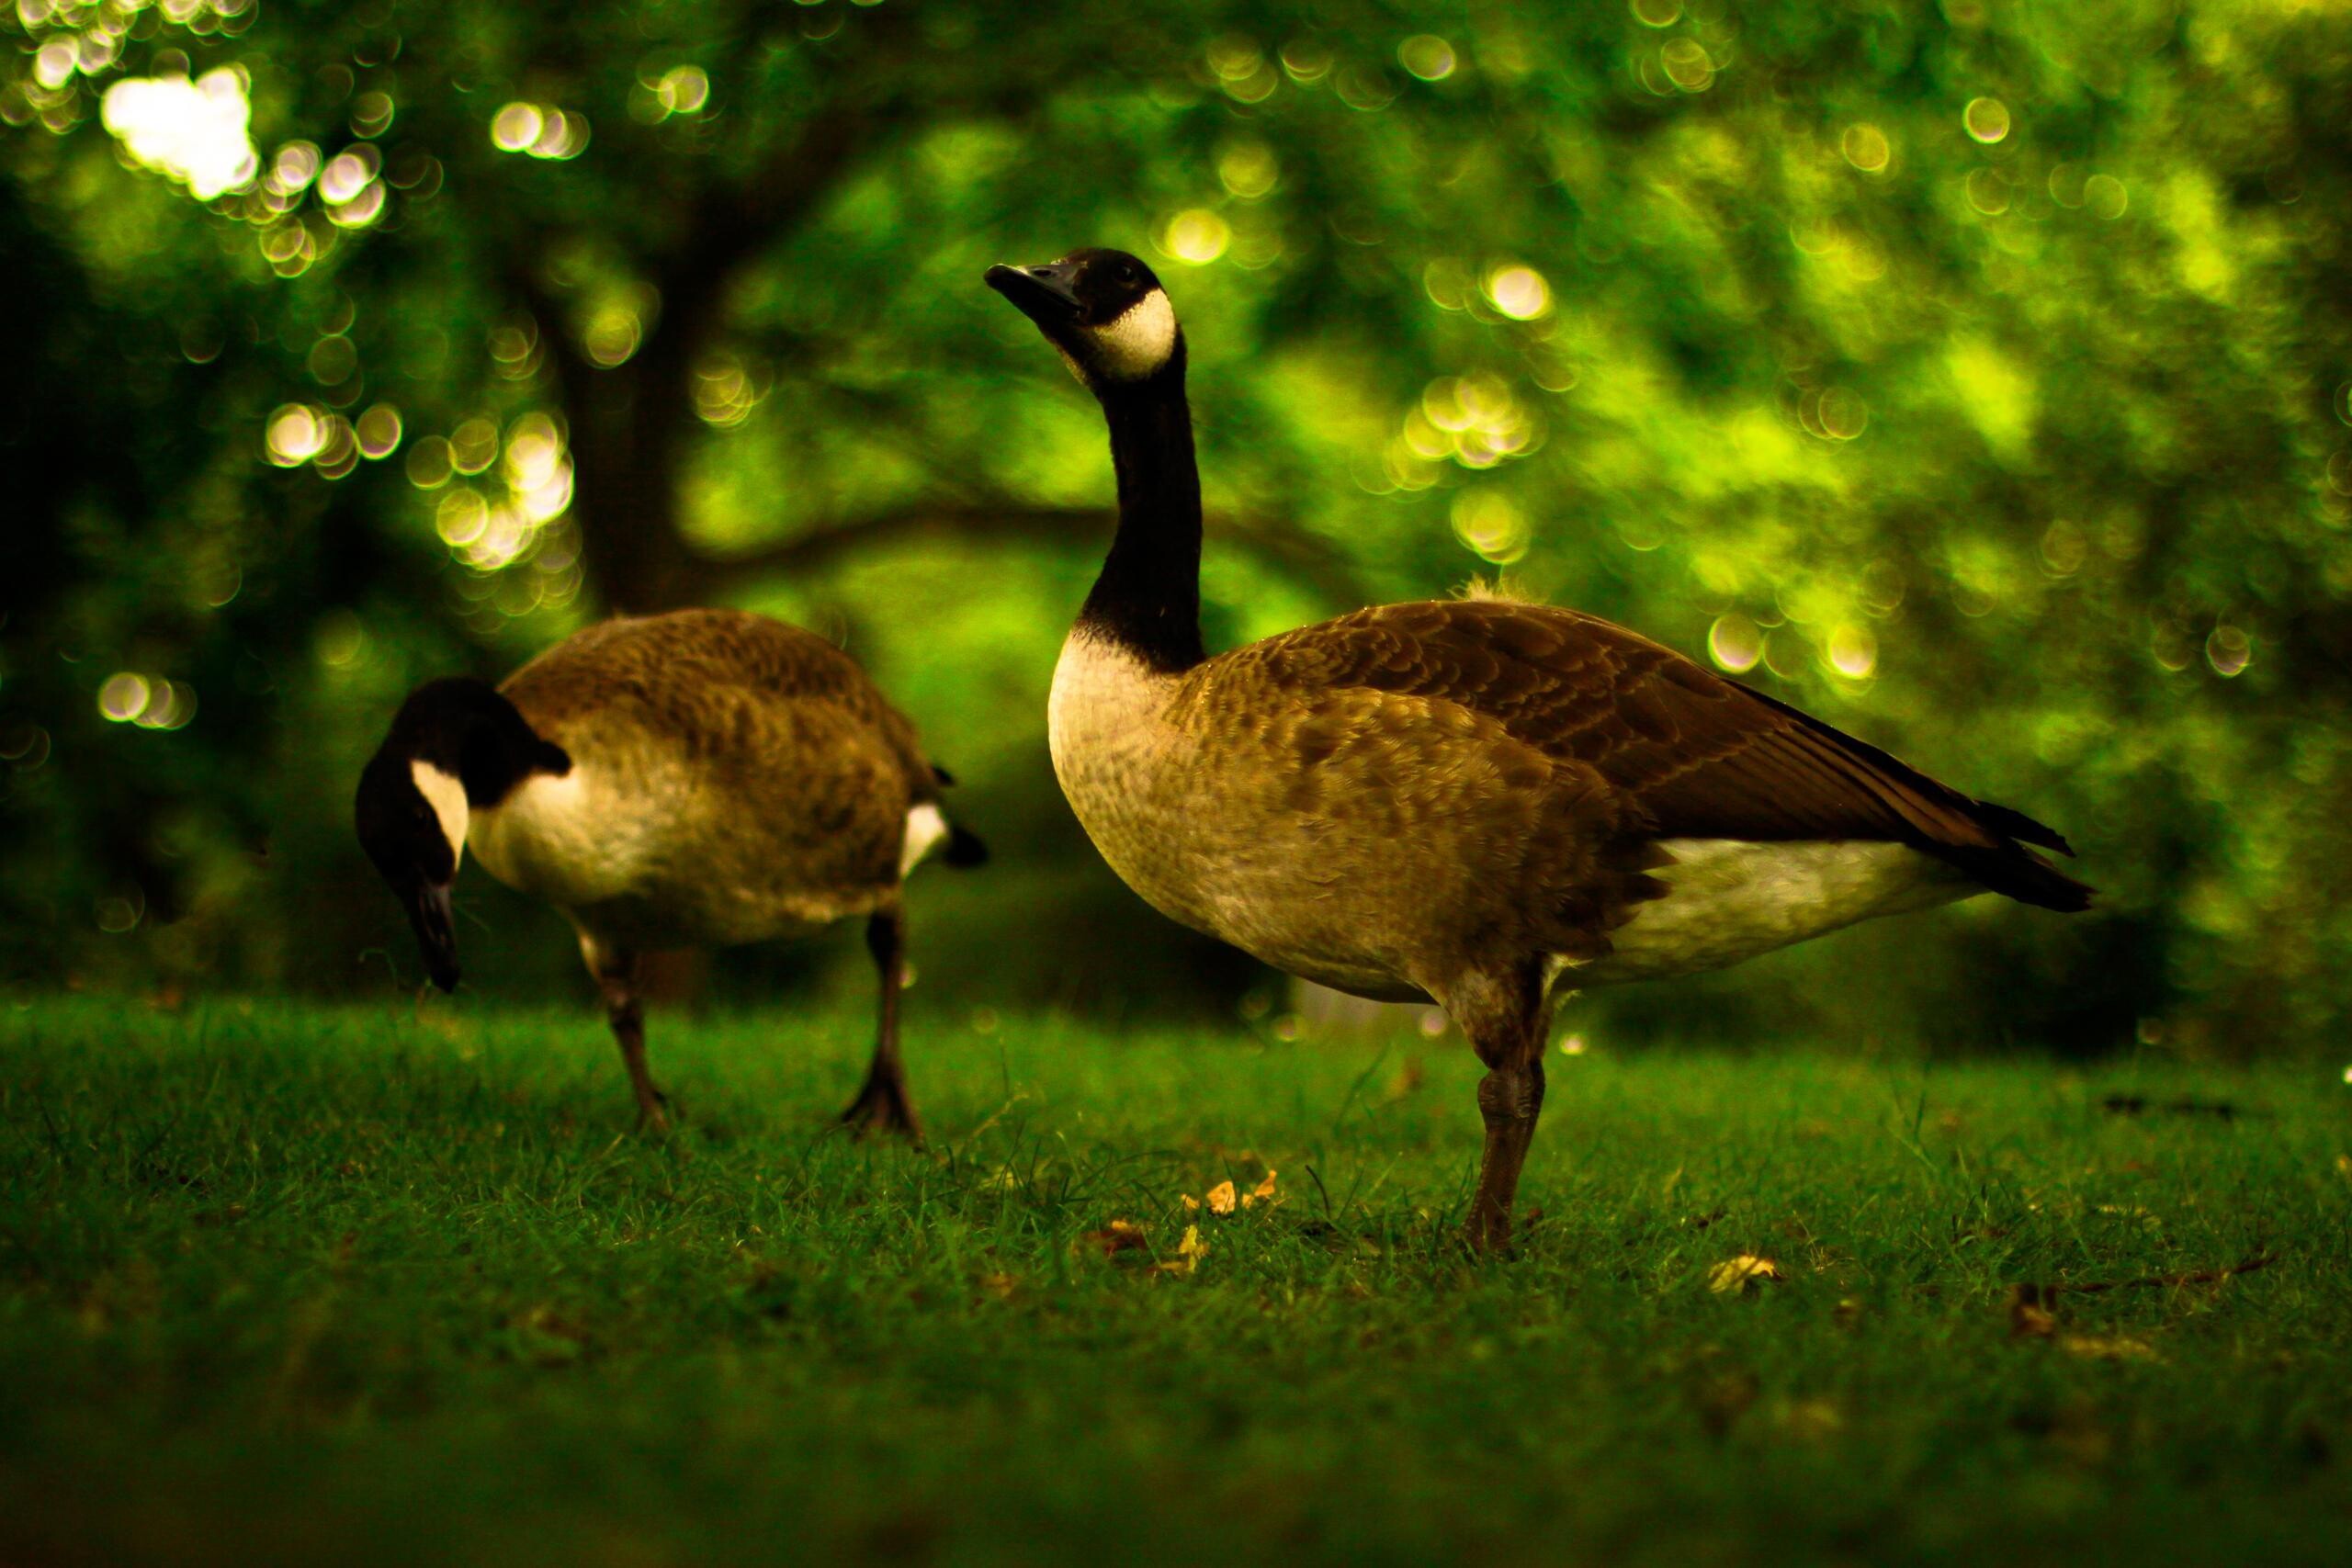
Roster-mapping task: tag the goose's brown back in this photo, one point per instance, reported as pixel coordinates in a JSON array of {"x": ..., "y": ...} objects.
[
  {"x": 1689, "y": 753},
  {"x": 734, "y": 778}
]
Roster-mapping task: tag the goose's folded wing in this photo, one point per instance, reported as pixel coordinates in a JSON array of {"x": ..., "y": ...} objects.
[{"x": 1698, "y": 755}]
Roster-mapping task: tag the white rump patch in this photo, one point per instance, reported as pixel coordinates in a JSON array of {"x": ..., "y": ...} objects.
[
  {"x": 1139, "y": 341},
  {"x": 446, "y": 795},
  {"x": 926, "y": 828},
  {"x": 1731, "y": 900}
]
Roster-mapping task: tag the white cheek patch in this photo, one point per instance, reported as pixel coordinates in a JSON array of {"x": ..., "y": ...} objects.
[
  {"x": 1139, "y": 341},
  {"x": 446, "y": 795},
  {"x": 925, "y": 829}
]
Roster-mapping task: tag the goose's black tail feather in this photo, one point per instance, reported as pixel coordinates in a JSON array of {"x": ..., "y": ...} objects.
[
  {"x": 2012, "y": 868},
  {"x": 963, "y": 850}
]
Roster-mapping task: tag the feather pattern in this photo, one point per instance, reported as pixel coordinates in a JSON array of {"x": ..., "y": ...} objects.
[
  {"x": 733, "y": 779},
  {"x": 1692, "y": 753}
]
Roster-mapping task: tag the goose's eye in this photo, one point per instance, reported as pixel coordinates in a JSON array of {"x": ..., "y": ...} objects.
[{"x": 1127, "y": 273}]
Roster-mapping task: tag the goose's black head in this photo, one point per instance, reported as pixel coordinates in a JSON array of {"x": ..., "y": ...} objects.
[
  {"x": 455, "y": 746},
  {"x": 1103, "y": 310}
]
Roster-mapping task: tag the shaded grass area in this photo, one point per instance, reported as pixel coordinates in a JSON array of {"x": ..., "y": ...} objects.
[{"x": 297, "y": 1283}]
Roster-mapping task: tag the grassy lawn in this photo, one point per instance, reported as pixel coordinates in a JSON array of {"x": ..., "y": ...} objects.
[{"x": 280, "y": 1283}]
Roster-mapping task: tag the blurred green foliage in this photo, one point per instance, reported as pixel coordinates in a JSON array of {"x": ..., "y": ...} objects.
[{"x": 1974, "y": 374}]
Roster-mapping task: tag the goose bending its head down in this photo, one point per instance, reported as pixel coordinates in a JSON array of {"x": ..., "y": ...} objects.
[
  {"x": 697, "y": 778},
  {"x": 1462, "y": 801}
]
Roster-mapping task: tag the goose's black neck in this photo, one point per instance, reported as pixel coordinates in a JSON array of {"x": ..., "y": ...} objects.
[
  {"x": 1147, "y": 598},
  {"x": 468, "y": 728}
]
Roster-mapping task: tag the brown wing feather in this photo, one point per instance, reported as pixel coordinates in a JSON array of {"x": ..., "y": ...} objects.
[
  {"x": 709, "y": 670},
  {"x": 1698, "y": 755}
]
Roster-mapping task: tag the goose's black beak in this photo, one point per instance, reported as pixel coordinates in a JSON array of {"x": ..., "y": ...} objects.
[
  {"x": 1044, "y": 293},
  {"x": 429, "y": 915}
]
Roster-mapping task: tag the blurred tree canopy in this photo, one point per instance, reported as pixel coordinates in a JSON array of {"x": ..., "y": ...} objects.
[{"x": 1974, "y": 374}]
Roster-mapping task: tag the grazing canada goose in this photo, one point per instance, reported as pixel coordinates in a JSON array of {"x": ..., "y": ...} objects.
[
  {"x": 1464, "y": 800},
  {"x": 697, "y": 778}
]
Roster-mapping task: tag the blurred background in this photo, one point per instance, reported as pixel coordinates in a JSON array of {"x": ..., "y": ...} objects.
[{"x": 1974, "y": 374}]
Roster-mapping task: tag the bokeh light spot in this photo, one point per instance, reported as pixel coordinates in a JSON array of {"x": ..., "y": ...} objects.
[
  {"x": 331, "y": 360},
  {"x": 1487, "y": 523},
  {"x": 1240, "y": 68},
  {"x": 612, "y": 334},
  {"x": 1866, "y": 148},
  {"x": 474, "y": 445},
  {"x": 1306, "y": 61},
  {"x": 461, "y": 518},
  {"x": 2064, "y": 548},
  {"x": 194, "y": 133},
  {"x": 1657, "y": 13},
  {"x": 1249, "y": 169},
  {"x": 514, "y": 126},
  {"x": 564, "y": 133},
  {"x": 371, "y": 113},
  {"x": 1735, "y": 643},
  {"x": 124, "y": 697},
  {"x": 2229, "y": 650},
  {"x": 54, "y": 65},
  {"x": 380, "y": 430},
  {"x": 1426, "y": 56},
  {"x": 348, "y": 173},
  {"x": 1841, "y": 413},
  {"x": 296, "y": 166},
  {"x": 1519, "y": 292},
  {"x": 430, "y": 463},
  {"x": 1235, "y": 56},
  {"x": 361, "y": 209},
  {"x": 1196, "y": 235},
  {"x": 1853, "y": 651},
  {"x": 341, "y": 639},
  {"x": 1688, "y": 64},
  {"x": 294, "y": 435},
  {"x": 338, "y": 452},
  {"x": 1987, "y": 120}
]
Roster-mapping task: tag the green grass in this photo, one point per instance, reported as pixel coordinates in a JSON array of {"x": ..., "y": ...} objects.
[{"x": 283, "y": 1284}]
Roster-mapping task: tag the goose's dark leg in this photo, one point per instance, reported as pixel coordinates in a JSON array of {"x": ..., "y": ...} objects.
[
  {"x": 616, "y": 972},
  {"x": 882, "y": 1106},
  {"x": 1503, "y": 1014}
]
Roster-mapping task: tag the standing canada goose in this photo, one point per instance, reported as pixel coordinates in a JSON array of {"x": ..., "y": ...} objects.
[
  {"x": 697, "y": 778},
  {"x": 1463, "y": 800}
]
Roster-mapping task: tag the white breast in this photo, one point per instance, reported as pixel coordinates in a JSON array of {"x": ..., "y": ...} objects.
[
  {"x": 1731, "y": 900},
  {"x": 1130, "y": 776},
  {"x": 565, "y": 838},
  {"x": 1102, "y": 716}
]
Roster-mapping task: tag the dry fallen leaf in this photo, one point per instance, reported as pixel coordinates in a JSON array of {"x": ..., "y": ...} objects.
[
  {"x": 2099, "y": 1349},
  {"x": 2028, "y": 1319},
  {"x": 1221, "y": 1199},
  {"x": 1742, "y": 1273},
  {"x": 997, "y": 1285},
  {"x": 1262, "y": 1193},
  {"x": 1192, "y": 1204},
  {"x": 1119, "y": 1236},
  {"x": 1189, "y": 1251}
]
